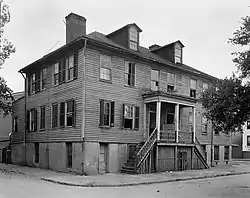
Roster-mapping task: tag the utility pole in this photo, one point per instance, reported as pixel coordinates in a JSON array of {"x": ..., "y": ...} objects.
[{"x": 212, "y": 142}]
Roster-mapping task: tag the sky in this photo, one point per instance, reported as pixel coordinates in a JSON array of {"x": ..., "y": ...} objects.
[{"x": 203, "y": 26}]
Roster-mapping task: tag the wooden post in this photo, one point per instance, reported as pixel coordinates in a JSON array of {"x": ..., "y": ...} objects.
[
  {"x": 145, "y": 132},
  {"x": 193, "y": 112},
  {"x": 175, "y": 158},
  {"x": 177, "y": 111},
  {"x": 158, "y": 119}
]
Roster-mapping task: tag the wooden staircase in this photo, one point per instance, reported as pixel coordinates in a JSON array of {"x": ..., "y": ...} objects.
[
  {"x": 201, "y": 154},
  {"x": 137, "y": 158}
]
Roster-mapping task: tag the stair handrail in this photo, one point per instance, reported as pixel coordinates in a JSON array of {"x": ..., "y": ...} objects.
[
  {"x": 143, "y": 147},
  {"x": 199, "y": 144}
]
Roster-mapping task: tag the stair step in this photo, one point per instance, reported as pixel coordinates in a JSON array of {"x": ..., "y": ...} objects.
[{"x": 128, "y": 171}]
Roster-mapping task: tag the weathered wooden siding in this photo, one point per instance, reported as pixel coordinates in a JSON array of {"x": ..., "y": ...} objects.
[
  {"x": 56, "y": 94},
  {"x": 18, "y": 110}
]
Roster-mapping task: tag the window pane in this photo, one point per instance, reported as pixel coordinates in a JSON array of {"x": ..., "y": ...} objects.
[
  {"x": 127, "y": 65},
  {"x": 133, "y": 45},
  {"x": 105, "y": 73},
  {"x": 177, "y": 59},
  {"x": 154, "y": 75},
  {"x": 105, "y": 61},
  {"x": 69, "y": 106},
  {"x": 177, "y": 52},
  {"x": 128, "y": 123},
  {"x": 193, "y": 84},
  {"x": 128, "y": 111},
  {"x": 171, "y": 78},
  {"x": 154, "y": 85},
  {"x": 133, "y": 34},
  {"x": 71, "y": 61}
]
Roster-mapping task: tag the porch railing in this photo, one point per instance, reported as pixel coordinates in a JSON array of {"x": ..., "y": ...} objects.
[
  {"x": 170, "y": 136},
  {"x": 143, "y": 153}
]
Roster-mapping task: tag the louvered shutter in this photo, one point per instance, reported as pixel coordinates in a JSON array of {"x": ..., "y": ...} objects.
[
  {"x": 132, "y": 76},
  {"x": 112, "y": 114},
  {"x": 62, "y": 114},
  {"x": 137, "y": 116},
  {"x": 28, "y": 120},
  {"x": 75, "y": 64},
  {"x": 101, "y": 113},
  {"x": 35, "y": 119}
]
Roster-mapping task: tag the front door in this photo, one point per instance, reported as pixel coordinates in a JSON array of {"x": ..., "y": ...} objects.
[{"x": 152, "y": 121}]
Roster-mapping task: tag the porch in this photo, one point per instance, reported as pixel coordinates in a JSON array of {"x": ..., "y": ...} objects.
[{"x": 173, "y": 118}]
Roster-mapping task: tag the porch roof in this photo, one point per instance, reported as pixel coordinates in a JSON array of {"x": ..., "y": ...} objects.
[{"x": 154, "y": 96}]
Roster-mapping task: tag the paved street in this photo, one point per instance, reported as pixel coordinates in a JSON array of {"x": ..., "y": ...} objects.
[{"x": 16, "y": 185}]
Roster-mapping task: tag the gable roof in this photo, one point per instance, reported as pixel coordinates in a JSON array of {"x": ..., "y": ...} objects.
[{"x": 126, "y": 26}]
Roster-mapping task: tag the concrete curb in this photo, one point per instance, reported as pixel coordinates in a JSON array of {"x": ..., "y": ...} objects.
[{"x": 142, "y": 183}]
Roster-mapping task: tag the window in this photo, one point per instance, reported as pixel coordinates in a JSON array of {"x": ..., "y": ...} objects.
[
  {"x": 154, "y": 80},
  {"x": 248, "y": 124},
  {"x": 248, "y": 140},
  {"x": 42, "y": 117},
  {"x": 171, "y": 81},
  {"x": 15, "y": 124},
  {"x": 216, "y": 152},
  {"x": 105, "y": 67},
  {"x": 204, "y": 86},
  {"x": 130, "y": 74},
  {"x": 170, "y": 114},
  {"x": 69, "y": 154},
  {"x": 107, "y": 109},
  {"x": 193, "y": 88},
  {"x": 56, "y": 73},
  {"x": 36, "y": 144},
  {"x": 32, "y": 116},
  {"x": 178, "y": 54},
  {"x": 62, "y": 71},
  {"x": 72, "y": 63},
  {"x": 131, "y": 117},
  {"x": 226, "y": 152},
  {"x": 62, "y": 114},
  {"x": 44, "y": 76},
  {"x": 70, "y": 113},
  {"x": 133, "y": 39},
  {"x": 35, "y": 82},
  {"x": 54, "y": 115},
  {"x": 204, "y": 124}
]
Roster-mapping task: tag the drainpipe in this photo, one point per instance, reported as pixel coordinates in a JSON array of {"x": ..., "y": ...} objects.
[{"x": 25, "y": 116}]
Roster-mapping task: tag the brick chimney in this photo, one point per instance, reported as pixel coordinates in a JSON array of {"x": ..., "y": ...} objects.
[{"x": 75, "y": 27}]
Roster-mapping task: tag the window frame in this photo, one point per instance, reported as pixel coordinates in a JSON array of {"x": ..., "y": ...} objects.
[
  {"x": 32, "y": 120},
  {"x": 216, "y": 155},
  {"x": 43, "y": 78},
  {"x": 37, "y": 152},
  {"x": 71, "y": 113},
  {"x": 135, "y": 117},
  {"x": 102, "y": 74},
  {"x": 56, "y": 74},
  {"x": 177, "y": 55},
  {"x": 204, "y": 125},
  {"x": 193, "y": 91},
  {"x": 133, "y": 39},
  {"x": 129, "y": 74},
  {"x": 172, "y": 84},
  {"x": 69, "y": 155},
  {"x": 155, "y": 81},
  {"x": 248, "y": 140},
  {"x": 110, "y": 114},
  {"x": 226, "y": 154}
]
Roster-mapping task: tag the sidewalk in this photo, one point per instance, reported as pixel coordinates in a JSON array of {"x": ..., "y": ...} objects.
[{"x": 115, "y": 180}]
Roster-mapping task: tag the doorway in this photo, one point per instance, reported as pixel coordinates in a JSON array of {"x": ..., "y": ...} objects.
[
  {"x": 103, "y": 158},
  {"x": 152, "y": 121}
]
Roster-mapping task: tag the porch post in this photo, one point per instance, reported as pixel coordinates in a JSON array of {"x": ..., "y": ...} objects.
[
  {"x": 177, "y": 108},
  {"x": 193, "y": 112},
  {"x": 158, "y": 119},
  {"x": 145, "y": 132}
]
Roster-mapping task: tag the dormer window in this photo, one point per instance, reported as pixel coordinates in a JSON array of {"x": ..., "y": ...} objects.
[
  {"x": 133, "y": 38},
  {"x": 178, "y": 54}
]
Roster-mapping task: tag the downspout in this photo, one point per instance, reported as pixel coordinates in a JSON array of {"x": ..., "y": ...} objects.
[
  {"x": 84, "y": 91},
  {"x": 25, "y": 116}
]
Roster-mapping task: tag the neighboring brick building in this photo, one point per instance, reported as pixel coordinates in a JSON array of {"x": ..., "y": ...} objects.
[
  {"x": 6, "y": 127},
  {"x": 102, "y": 103}
]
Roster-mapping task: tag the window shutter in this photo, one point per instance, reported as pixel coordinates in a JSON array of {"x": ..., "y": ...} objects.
[
  {"x": 74, "y": 113},
  {"x": 75, "y": 64},
  {"x": 133, "y": 74},
  {"x": 28, "y": 120},
  {"x": 35, "y": 119},
  {"x": 101, "y": 113},
  {"x": 28, "y": 83},
  {"x": 38, "y": 81},
  {"x": 63, "y": 70},
  {"x": 123, "y": 112},
  {"x": 112, "y": 114},
  {"x": 137, "y": 116},
  {"x": 62, "y": 114},
  {"x": 60, "y": 72}
]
